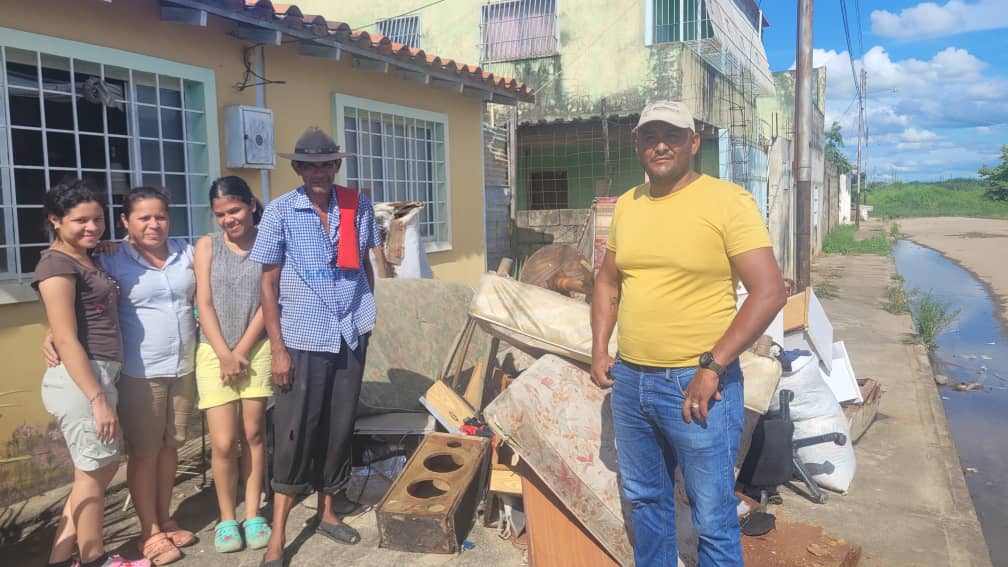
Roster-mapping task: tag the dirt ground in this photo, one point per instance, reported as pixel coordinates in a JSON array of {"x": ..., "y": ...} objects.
[{"x": 979, "y": 245}]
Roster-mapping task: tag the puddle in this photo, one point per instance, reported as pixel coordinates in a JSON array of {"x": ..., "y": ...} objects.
[{"x": 973, "y": 349}]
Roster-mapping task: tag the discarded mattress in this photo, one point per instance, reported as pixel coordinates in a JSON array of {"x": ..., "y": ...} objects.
[
  {"x": 532, "y": 317},
  {"x": 561, "y": 426},
  {"x": 419, "y": 322}
]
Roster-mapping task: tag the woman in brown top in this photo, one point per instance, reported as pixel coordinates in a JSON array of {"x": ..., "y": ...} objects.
[{"x": 80, "y": 303}]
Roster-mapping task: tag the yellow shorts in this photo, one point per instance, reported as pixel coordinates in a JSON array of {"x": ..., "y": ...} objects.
[{"x": 212, "y": 392}]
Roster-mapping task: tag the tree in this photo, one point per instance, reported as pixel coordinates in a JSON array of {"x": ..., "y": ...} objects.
[
  {"x": 834, "y": 141},
  {"x": 996, "y": 180}
]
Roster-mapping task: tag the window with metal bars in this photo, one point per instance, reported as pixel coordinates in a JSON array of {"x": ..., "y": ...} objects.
[
  {"x": 67, "y": 117},
  {"x": 404, "y": 30},
  {"x": 399, "y": 155},
  {"x": 518, "y": 29},
  {"x": 680, "y": 20},
  {"x": 547, "y": 190}
]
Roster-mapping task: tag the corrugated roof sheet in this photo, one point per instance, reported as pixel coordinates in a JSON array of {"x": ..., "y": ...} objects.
[{"x": 291, "y": 15}]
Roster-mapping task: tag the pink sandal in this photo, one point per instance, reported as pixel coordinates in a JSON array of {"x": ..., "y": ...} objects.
[
  {"x": 160, "y": 550},
  {"x": 178, "y": 536}
]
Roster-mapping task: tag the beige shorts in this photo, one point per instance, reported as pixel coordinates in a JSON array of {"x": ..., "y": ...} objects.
[
  {"x": 65, "y": 401},
  {"x": 155, "y": 412}
]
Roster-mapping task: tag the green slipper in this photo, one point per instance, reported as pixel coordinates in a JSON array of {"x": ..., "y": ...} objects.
[
  {"x": 257, "y": 532},
  {"x": 227, "y": 538}
]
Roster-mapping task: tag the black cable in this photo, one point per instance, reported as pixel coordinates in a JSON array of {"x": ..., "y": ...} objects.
[{"x": 850, "y": 50}]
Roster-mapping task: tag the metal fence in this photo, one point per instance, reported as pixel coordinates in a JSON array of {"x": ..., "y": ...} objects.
[{"x": 405, "y": 30}]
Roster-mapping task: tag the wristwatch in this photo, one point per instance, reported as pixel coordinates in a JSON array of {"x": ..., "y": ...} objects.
[{"x": 707, "y": 361}]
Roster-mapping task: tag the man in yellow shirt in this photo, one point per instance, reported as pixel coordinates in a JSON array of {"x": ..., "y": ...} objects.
[{"x": 676, "y": 250}]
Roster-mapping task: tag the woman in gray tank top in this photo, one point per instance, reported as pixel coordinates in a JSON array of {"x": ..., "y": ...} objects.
[{"x": 233, "y": 361}]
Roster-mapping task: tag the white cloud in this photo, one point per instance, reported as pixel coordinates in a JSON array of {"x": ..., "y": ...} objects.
[
  {"x": 919, "y": 112},
  {"x": 929, "y": 19}
]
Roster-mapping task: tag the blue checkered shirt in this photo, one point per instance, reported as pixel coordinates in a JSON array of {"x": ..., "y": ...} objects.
[{"x": 320, "y": 305}]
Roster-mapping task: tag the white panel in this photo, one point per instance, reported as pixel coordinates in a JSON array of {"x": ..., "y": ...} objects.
[{"x": 249, "y": 137}]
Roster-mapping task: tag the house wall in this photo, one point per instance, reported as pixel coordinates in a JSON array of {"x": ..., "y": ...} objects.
[{"x": 305, "y": 98}]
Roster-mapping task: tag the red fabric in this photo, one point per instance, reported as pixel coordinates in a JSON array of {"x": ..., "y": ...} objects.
[{"x": 348, "y": 247}]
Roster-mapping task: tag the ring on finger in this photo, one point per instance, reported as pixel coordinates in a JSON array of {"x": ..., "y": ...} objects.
[{"x": 695, "y": 405}]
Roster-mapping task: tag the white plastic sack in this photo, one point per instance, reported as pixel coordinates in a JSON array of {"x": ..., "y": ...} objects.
[
  {"x": 815, "y": 411},
  {"x": 831, "y": 466},
  {"x": 812, "y": 396},
  {"x": 410, "y": 247}
]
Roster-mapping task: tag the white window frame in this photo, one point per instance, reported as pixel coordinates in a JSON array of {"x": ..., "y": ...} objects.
[
  {"x": 520, "y": 29},
  {"x": 649, "y": 21},
  {"x": 393, "y": 29},
  {"x": 341, "y": 102},
  {"x": 14, "y": 284}
]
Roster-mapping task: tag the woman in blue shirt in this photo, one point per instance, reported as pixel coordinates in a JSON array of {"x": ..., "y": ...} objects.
[{"x": 157, "y": 390}]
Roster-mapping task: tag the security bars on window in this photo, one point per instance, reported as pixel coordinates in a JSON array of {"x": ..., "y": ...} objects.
[
  {"x": 681, "y": 20},
  {"x": 117, "y": 127},
  {"x": 404, "y": 30},
  {"x": 400, "y": 159},
  {"x": 518, "y": 29}
]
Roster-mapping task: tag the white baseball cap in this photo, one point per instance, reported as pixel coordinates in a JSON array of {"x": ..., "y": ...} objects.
[{"x": 669, "y": 111}]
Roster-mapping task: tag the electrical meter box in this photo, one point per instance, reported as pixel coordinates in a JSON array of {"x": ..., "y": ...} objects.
[{"x": 249, "y": 137}]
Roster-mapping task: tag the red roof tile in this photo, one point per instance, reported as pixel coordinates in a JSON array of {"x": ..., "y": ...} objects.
[{"x": 291, "y": 15}]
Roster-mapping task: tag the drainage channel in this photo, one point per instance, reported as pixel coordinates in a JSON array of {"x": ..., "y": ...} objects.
[{"x": 973, "y": 353}]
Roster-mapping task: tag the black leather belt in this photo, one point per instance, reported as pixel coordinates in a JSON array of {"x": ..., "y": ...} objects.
[{"x": 641, "y": 367}]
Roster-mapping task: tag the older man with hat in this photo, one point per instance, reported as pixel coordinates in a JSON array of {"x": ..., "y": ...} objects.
[
  {"x": 676, "y": 249},
  {"x": 319, "y": 309}
]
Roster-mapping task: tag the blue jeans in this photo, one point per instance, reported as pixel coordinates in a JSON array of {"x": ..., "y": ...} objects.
[{"x": 652, "y": 438}]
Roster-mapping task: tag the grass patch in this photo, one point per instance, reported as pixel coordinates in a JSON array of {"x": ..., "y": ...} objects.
[
  {"x": 894, "y": 230},
  {"x": 931, "y": 317},
  {"x": 897, "y": 298},
  {"x": 841, "y": 240},
  {"x": 955, "y": 197}
]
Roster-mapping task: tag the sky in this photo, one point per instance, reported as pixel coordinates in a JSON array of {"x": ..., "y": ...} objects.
[{"x": 937, "y": 104}]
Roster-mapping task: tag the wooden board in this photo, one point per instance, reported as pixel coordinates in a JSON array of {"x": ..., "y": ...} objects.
[
  {"x": 861, "y": 416},
  {"x": 556, "y": 539},
  {"x": 449, "y": 408},
  {"x": 505, "y": 482},
  {"x": 432, "y": 504}
]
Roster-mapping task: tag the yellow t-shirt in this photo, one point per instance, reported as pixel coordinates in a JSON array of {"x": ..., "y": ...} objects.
[{"x": 678, "y": 288}]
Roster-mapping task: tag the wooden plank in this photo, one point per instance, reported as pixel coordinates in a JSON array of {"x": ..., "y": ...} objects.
[
  {"x": 474, "y": 388},
  {"x": 556, "y": 539},
  {"x": 449, "y": 408},
  {"x": 861, "y": 416},
  {"x": 505, "y": 482}
]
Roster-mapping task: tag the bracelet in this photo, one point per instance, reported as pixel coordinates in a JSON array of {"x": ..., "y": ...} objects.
[{"x": 96, "y": 396}]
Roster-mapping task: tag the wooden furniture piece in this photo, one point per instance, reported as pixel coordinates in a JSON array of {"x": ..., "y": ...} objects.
[
  {"x": 556, "y": 538},
  {"x": 432, "y": 504}
]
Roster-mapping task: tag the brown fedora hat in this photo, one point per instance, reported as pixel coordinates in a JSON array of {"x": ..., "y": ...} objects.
[{"x": 315, "y": 146}]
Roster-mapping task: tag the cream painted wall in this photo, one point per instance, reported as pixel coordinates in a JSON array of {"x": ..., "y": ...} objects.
[{"x": 304, "y": 99}]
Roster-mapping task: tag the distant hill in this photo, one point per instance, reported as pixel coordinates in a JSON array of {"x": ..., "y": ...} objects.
[{"x": 955, "y": 197}]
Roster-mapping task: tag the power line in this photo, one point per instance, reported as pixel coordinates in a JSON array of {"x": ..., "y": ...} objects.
[
  {"x": 414, "y": 10},
  {"x": 860, "y": 37},
  {"x": 850, "y": 50}
]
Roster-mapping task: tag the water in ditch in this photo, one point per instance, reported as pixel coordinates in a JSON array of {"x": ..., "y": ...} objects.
[{"x": 973, "y": 350}]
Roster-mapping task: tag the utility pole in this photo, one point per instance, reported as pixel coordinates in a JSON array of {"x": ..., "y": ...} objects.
[
  {"x": 860, "y": 129},
  {"x": 802, "y": 142}
]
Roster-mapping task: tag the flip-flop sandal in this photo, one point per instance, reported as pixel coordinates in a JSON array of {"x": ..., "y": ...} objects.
[
  {"x": 160, "y": 550},
  {"x": 758, "y": 523},
  {"x": 340, "y": 533},
  {"x": 178, "y": 536},
  {"x": 257, "y": 532},
  {"x": 227, "y": 537}
]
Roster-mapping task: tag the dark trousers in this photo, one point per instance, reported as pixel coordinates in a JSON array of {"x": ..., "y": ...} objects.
[{"x": 313, "y": 420}]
